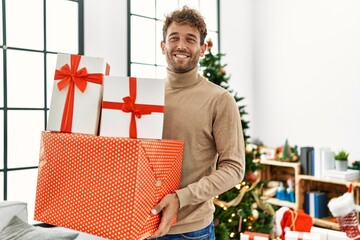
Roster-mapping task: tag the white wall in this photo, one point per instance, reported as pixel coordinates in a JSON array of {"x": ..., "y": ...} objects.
[
  {"x": 237, "y": 43},
  {"x": 296, "y": 62},
  {"x": 307, "y": 74},
  {"x": 106, "y": 32}
]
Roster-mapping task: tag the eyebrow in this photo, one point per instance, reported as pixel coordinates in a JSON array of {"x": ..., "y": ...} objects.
[{"x": 188, "y": 34}]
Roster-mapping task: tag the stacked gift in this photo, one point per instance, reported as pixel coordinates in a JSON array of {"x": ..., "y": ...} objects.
[
  {"x": 77, "y": 94},
  {"x": 293, "y": 235},
  {"x": 254, "y": 236},
  {"x": 105, "y": 185},
  {"x": 328, "y": 234},
  {"x": 128, "y": 110}
]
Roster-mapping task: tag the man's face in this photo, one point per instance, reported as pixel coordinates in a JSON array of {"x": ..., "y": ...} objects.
[{"x": 182, "y": 47}]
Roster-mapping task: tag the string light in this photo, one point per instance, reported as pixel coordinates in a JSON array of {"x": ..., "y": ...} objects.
[
  {"x": 238, "y": 186},
  {"x": 229, "y": 220},
  {"x": 233, "y": 215},
  {"x": 232, "y": 235}
]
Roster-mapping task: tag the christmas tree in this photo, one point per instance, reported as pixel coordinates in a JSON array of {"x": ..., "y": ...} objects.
[{"x": 241, "y": 208}]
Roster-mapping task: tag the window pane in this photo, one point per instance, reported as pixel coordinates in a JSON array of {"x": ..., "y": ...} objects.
[
  {"x": 22, "y": 187},
  {"x": 144, "y": 71},
  {"x": 1, "y": 77},
  {"x": 1, "y": 186},
  {"x": 1, "y": 28},
  {"x": 161, "y": 72},
  {"x": 24, "y": 24},
  {"x": 24, "y": 129},
  {"x": 50, "y": 72},
  {"x": 208, "y": 9},
  {"x": 142, "y": 40},
  {"x": 25, "y": 79},
  {"x": 160, "y": 58},
  {"x": 62, "y": 32},
  {"x": 164, "y": 7},
  {"x": 143, "y": 7},
  {"x": 1, "y": 139},
  {"x": 190, "y": 3}
]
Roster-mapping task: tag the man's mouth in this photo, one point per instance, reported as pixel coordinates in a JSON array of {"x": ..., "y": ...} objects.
[{"x": 181, "y": 56}]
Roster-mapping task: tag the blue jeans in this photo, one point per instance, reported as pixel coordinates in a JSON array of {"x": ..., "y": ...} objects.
[{"x": 206, "y": 233}]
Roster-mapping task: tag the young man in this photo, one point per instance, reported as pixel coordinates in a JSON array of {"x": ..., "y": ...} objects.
[{"x": 207, "y": 118}]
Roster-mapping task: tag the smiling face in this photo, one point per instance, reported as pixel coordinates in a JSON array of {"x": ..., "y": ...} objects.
[{"x": 182, "y": 47}]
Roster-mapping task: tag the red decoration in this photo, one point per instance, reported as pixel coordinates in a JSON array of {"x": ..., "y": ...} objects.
[{"x": 251, "y": 177}]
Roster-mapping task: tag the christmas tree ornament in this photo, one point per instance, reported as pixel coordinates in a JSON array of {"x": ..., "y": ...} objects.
[
  {"x": 255, "y": 214},
  {"x": 251, "y": 177}
]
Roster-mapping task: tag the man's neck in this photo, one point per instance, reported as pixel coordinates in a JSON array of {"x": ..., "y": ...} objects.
[{"x": 179, "y": 80}]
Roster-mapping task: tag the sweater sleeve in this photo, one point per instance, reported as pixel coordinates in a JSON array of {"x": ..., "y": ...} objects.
[{"x": 229, "y": 143}]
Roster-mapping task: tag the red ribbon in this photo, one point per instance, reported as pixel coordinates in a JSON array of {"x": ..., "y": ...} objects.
[
  {"x": 73, "y": 77},
  {"x": 129, "y": 105}
]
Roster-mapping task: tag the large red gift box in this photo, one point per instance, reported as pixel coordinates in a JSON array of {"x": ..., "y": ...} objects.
[{"x": 105, "y": 186}]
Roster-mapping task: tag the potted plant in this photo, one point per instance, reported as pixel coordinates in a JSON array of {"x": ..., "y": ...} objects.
[{"x": 341, "y": 160}]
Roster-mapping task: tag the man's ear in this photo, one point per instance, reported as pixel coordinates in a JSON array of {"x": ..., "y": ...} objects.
[
  {"x": 162, "y": 45},
  {"x": 203, "y": 49}
]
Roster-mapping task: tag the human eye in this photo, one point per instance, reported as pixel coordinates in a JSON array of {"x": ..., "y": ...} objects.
[
  {"x": 173, "y": 38},
  {"x": 191, "y": 40}
]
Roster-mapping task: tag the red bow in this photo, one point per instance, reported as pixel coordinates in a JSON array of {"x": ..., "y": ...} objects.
[
  {"x": 73, "y": 77},
  {"x": 129, "y": 105}
]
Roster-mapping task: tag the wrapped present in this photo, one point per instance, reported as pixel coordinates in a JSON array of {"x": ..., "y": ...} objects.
[
  {"x": 105, "y": 186},
  {"x": 133, "y": 107},
  {"x": 328, "y": 234},
  {"x": 254, "y": 236},
  {"x": 293, "y": 235},
  {"x": 77, "y": 92}
]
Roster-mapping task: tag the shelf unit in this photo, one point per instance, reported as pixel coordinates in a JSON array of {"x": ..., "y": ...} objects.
[
  {"x": 281, "y": 171},
  {"x": 333, "y": 187}
]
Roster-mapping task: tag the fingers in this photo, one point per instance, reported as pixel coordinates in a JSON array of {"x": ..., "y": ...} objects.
[{"x": 169, "y": 207}]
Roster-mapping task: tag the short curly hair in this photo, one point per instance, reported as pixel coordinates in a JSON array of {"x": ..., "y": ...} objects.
[{"x": 189, "y": 16}]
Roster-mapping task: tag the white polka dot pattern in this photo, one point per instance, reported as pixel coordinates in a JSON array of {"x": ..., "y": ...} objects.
[{"x": 105, "y": 186}]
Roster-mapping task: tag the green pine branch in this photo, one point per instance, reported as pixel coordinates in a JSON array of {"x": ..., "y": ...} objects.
[{"x": 227, "y": 221}]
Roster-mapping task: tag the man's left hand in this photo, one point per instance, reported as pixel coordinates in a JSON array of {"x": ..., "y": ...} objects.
[{"x": 169, "y": 206}]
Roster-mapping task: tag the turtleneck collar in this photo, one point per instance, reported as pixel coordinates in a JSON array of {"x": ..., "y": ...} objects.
[{"x": 180, "y": 80}]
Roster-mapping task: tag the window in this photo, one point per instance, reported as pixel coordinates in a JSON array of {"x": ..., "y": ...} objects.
[
  {"x": 145, "y": 32},
  {"x": 32, "y": 36}
]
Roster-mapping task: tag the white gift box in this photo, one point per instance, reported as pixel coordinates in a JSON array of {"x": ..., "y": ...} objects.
[
  {"x": 81, "y": 114},
  {"x": 328, "y": 234},
  {"x": 247, "y": 237},
  {"x": 293, "y": 235},
  {"x": 133, "y": 107}
]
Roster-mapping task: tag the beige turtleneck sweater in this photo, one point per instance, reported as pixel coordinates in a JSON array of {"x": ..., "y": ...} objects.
[{"x": 207, "y": 118}]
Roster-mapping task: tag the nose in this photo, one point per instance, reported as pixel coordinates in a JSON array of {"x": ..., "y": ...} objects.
[{"x": 181, "y": 44}]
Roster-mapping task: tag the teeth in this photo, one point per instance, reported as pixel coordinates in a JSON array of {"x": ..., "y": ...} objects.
[{"x": 181, "y": 56}]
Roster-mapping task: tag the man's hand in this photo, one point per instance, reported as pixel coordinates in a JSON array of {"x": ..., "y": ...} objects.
[{"x": 169, "y": 206}]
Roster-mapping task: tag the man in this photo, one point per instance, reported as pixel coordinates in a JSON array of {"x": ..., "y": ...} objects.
[{"x": 207, "y": 118}]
